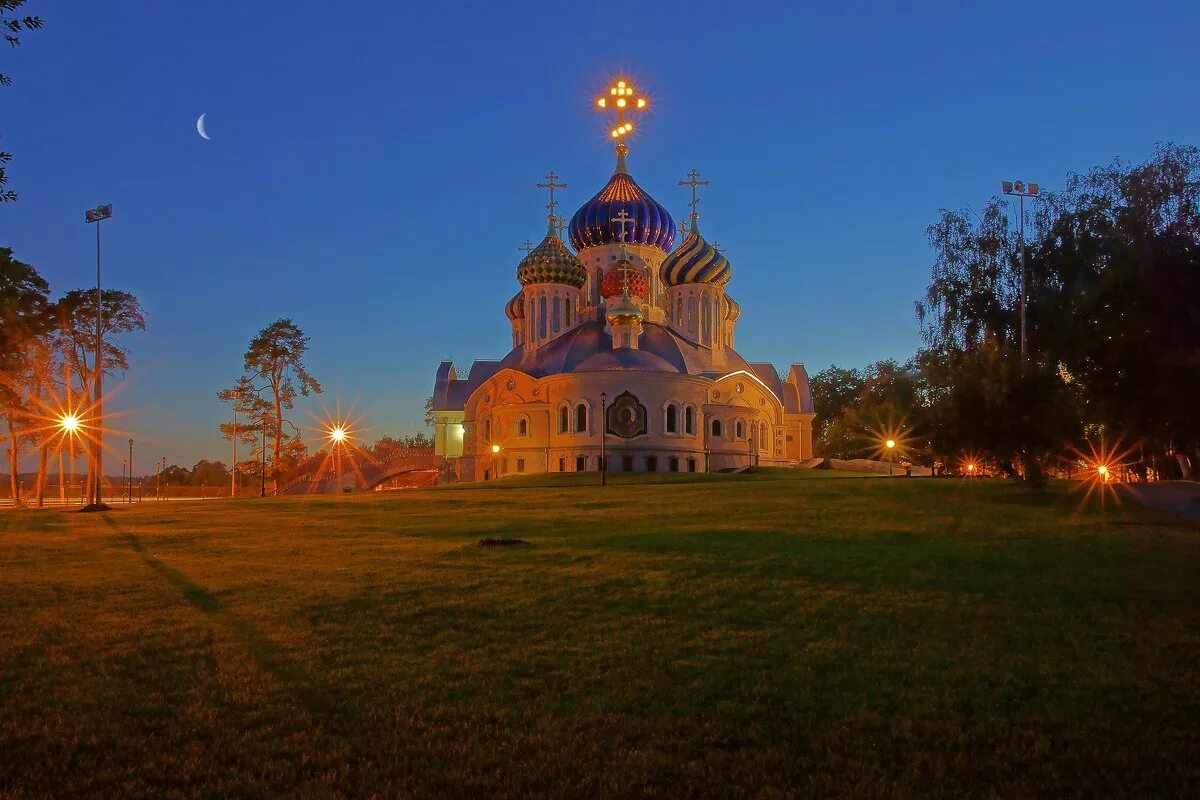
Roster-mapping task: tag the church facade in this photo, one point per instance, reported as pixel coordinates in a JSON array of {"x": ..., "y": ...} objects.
[{"x": 622, "y": 349}]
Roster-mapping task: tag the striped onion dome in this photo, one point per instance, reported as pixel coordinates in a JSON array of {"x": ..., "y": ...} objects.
[
  {"x": 593, "y": 223},
  {"x": 613, "y": 282},
  {"x": 551, "y": 262},
  {"x": 732, "y": 309},
  {"x": 696, "y": 261},
  {"x": 515, "y": 309}
]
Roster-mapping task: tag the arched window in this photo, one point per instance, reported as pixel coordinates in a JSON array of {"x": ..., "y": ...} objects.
[
  {"x": 581, "y": 415},
  {"x": 679, "y": 312},
  {"x": 739, "y": 430},
  {"x": 689, "y": 420},
  {"x": 556, "y": 319},
  {"x": 567, "y": 314},
  {"x": 705, "y": 320},
  {"x": 716, "y": 428},
  {"x": 522, "y": 427},
  {"x": 762, "y": 436},
  {"x": 542, "y": 317},
  {"x": 487, "y": 430},
  {"x": 596, "y": 285},
  {"x": 691, "y": 313},
  {"x": 564, "y": 419},
  {"x": 672, "y": 419}
]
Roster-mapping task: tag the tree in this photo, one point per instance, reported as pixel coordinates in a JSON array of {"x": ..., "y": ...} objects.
[
  {"x": 12, "y": 25},
  {"x": 24, "y": 299},
  {"x": 834, "y": 390},
  {"x": 75, "y": 333},
  {"x": 429, "y": 420},
  {"x": 275, "y": 374}
]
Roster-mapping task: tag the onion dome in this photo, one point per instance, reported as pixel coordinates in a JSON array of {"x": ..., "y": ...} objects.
[
  {"x": 732, "y": 309},
  {"x": 650, "y": 223},
  {"x": 613, "y": 282},
  {"x": 551, "y": 262},
  {"x": 624, "y": 310},
  {"x": 696, "y": 261},
  {"x": 515, "y": 309}
]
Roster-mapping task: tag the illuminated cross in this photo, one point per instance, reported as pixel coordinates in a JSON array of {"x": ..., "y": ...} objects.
[
  {"x": 623, "y": 219},
  {"x": 551, "y": 185},
  {"x": 694, "y": 182},
  {"x": 682, "y": 230},
  {"x": 527, "y": 247},
  {"x": 622, "y": 98}
]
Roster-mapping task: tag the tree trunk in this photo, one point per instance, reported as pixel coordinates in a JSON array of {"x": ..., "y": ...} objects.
[
  {"x": 13, "y": 461},
  {"x": 40, "y": 486},
  {"x": 62, "y": 488},
  {"x": 278, "y": 444}
]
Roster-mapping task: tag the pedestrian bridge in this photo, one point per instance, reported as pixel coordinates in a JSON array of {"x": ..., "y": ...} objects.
[{"x": 361, "y": 473}]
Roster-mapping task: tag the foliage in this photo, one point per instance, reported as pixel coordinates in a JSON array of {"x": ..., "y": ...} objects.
[
  {"x": 12, "y": 25},
  {"x": 274, "y": 376},
  {"x": 387, "y": 446}
]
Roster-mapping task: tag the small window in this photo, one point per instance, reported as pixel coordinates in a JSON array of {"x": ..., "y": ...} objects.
[
  {"x": 651, "y": 464},
  {"x": 522, "y": 427},
  {"x": 716, "y": 428},
  {"x": 739, "y": 429},
  {"x": 691, "y": 465},
  {"x": 689, "y": 420},
  {"x": 562, "y": 464},
  {"x": 626, "y": 463},
  {"x": 674, "y": 464},
  {"x": 520, "y": 465},
  {"x": 672, "y": 419},
  {"x": 581, "y": 463},
  {"x": 581, "y": 414}
]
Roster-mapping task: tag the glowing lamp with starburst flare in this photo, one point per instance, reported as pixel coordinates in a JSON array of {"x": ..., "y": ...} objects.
[
  {"x": 338, "y": 434},
  {"x": 69, "y": 423}
]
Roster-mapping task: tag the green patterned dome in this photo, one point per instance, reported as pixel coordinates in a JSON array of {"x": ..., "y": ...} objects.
[{"x": 551, "y": 262}]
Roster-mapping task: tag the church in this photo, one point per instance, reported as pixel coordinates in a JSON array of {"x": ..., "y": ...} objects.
[{"x": 622, "y": 352}]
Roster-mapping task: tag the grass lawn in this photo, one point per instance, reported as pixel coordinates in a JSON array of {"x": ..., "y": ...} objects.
[{"x": 767, "y": 635}]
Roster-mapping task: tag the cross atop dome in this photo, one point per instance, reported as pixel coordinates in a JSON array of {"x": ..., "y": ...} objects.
[
  {"x": 694, "y": 182},
  {"x": 552, "y": 185}
]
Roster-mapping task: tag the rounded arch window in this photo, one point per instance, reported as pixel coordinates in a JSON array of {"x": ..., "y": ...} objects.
[
  {"x": 672, "y": 425},
  {"x": 739, "y": 430},
  {"x": 689, "y": 420},
  {"x": 717, "y": 428},
  {"x": 564, "y": 418},
  {"x": 522, "y": 426},
  {"x": 581, "y": 415}
]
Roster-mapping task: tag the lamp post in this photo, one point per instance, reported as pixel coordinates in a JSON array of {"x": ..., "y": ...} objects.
[
  {"x": 233, "y": 464},
  {"x": 495, "y": 452},
  {"x": 124, "y": 468},
  {"x": 603, "y": 439},
  {"x": 750, "y": 454},
  {"x": 95, "y": 215},
  {"x": 891, "y": 447},
  {"x": 1021, "y": 190},
  {"x": 337, "y": 439},
  {"x": 130, "y": 487}
]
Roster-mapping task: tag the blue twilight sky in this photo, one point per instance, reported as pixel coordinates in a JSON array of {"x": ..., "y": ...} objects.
[{"x": 372, "y": 167}]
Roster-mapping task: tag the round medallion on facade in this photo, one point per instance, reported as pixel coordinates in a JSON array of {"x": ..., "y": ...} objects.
[{"x": 551, "y": 262}]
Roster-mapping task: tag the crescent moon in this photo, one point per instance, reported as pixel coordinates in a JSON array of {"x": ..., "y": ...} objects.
[{"x": 200, "y": 126}]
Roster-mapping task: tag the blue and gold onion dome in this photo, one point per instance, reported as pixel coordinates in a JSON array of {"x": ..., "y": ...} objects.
[
  {"x": 649, "y": 223},
  {"x": 551, "y": 262},
  {"x": 696, "y": 261}
]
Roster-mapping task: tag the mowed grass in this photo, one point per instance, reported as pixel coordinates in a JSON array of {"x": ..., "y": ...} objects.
[{"x": 769, "y": 635}]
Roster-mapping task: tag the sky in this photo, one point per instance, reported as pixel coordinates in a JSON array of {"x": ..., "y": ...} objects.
[{"x": 372, "y": 166}]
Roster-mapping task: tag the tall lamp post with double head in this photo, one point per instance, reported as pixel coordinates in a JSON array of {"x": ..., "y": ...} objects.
[
  {"x": 1021, "y": 190},
  {"x": 603, "y": 438},
  {"x": 96, "y": 215}
]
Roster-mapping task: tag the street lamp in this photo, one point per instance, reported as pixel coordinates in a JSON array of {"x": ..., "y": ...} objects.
[
  {"x": 495, "y": 451},
  {"x": 603, "y": 439},
  {"x": 131, "y": 470},
  {"x": 96, "y": 215},
  {"x": 337, "y": 440},
  {"x": 891, "y": 447},
  {"x": 1021, "y": 190}
]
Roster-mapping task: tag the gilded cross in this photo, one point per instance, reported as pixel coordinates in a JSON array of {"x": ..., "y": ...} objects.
[
  {"x": 551, "y": 185},
  {"x": 682, "y": 230},
  {"x": 625, "y": 269},
  {"x": 694, "y": 182},
  {"x": 623, "y": 219},
  {"x": 527, "y": 247}
]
